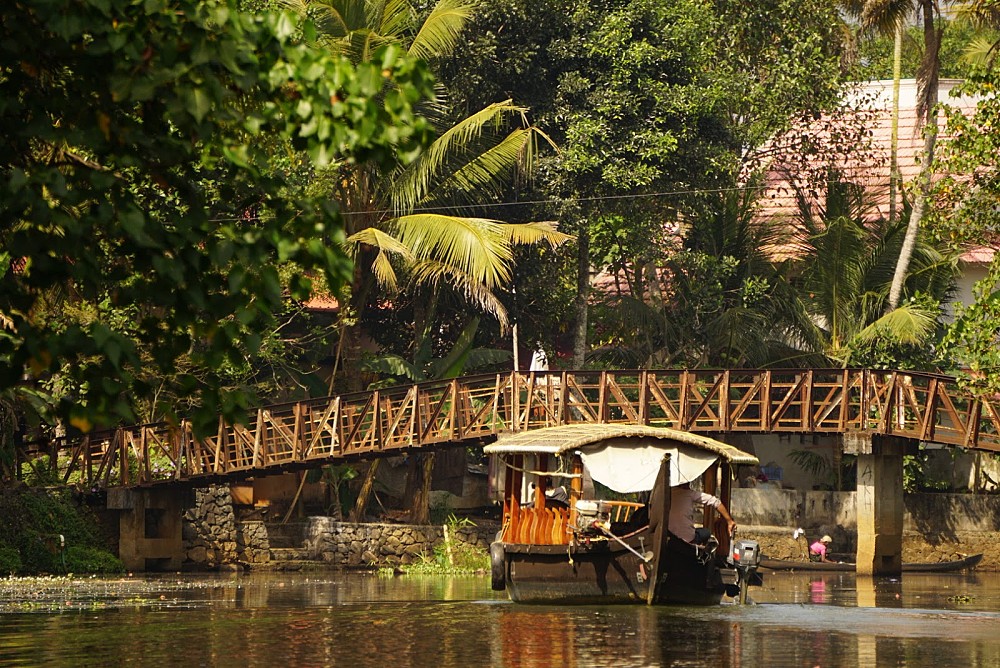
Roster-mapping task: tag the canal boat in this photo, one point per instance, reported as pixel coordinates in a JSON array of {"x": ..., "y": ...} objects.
[
  {"x": 586, "y": 510},
  {"x": 965, "y": 563}
]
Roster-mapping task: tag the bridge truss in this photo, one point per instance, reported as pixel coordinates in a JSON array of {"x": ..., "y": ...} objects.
[{"x": 925, "y": 407}]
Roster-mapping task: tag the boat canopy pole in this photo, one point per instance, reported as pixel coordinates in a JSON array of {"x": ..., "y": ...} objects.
[{"x": 554, "y": 474}]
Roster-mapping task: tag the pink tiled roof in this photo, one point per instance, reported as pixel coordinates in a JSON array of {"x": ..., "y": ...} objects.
[
  {"x": 869, "y": 105},
  {"x": 322, "y": 303},
  {"x": 874, "y": 100},
  {"x": 982, "y": 255}
]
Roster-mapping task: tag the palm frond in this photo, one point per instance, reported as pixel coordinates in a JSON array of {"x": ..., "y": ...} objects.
[
  {"x": 883, "y": 16},
  {"x": 439, "y": 32},
  {"x": 481, "y": 358},
  {"x": 381, "y": 266},
  {"x": 490, "y": 170},
  {"x": 453, "y": 364},
  {"x": 907, "y": 324},
  {"x": 526, "y": 234},
  {"x": 982, "y": 14},
  {"x": 334, "y": 19},
  {"x": 412, "y": 186},
  {"x": 429, "y": 272},
  {"x": 980, "y": 51},
  {"x": 376, "y": 237},
  {"x": 393, "y": 19},
  {"x": 476, "y": 247},
  {"x": 393, "y": 365},
  {"x": 383, "y": 271}
]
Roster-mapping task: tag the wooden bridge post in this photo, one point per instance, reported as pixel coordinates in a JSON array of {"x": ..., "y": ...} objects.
[{"x": 879, "y": 502}]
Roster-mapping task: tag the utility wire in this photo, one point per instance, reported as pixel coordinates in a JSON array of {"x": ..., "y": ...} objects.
[{"x": 601, "y": 198}]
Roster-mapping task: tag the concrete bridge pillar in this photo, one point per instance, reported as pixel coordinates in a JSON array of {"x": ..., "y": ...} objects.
[
  {"x": 149, "y": 528},
  {"x": 879, "y": 501}
]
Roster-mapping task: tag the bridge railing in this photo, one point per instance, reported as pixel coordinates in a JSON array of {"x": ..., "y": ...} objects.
[{"x": 925, "y": 407}]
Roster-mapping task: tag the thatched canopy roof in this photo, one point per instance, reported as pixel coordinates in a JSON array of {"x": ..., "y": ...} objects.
[{"x": 559, "y": 440}]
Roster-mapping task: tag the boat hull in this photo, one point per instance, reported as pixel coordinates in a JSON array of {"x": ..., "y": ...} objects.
[
  {"x": 935, "y": 567},
  {"x": 607, "y": 573}
]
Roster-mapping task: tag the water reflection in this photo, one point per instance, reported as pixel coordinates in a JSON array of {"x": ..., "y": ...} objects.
[{"x": 810, "y": 619}]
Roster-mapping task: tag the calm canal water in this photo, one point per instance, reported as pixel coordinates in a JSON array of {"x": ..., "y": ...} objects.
[{"x": 329, "y": 619}]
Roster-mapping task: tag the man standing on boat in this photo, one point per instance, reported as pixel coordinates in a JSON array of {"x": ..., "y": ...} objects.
[
  {"x": 817, "y": 551},
  {"x": 682, "y": 503}
]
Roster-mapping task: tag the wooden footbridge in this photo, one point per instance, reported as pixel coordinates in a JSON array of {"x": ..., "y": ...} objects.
[{"x": 917, "y": 406}]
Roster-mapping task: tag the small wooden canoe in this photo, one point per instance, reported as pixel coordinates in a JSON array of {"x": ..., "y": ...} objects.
[{"x": 937, "y": 567}]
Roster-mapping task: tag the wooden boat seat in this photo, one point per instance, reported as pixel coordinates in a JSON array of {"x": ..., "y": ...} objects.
[{"x": 538, "y": 526}]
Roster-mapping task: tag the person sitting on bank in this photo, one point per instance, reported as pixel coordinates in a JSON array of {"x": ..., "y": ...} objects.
[
  {"x": 681, "y": 523},
  {"x": 818, "y": 550}
]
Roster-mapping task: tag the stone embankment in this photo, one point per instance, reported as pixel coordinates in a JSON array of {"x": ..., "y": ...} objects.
[
  {"x": 216, "y": 536},
  {"x": 358, "y": 545},
  {"x": 213, "y": 537},
  {"x": 937, "y": 527}
]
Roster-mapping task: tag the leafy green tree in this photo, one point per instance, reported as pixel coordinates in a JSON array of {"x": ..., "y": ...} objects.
[
  {"x": 972, "y": 342},
  {"x": 112, "y": 115},
  {"x": 875, "y": 53},
  {"x": 969, "y": 162},
  {"x": 967, "y": 216},
  {"x": 650, "y": 103},
  {"x": 982, "y": 16},
  {"x": 720, "y": 301},
  {"x": 419, "y": 227}
]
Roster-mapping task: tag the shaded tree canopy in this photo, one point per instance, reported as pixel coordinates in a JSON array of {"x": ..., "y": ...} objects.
[{"x": 134, "y": 178}]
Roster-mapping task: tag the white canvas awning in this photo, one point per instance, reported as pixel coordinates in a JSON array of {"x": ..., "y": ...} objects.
[
  {"x": 625, "y": 458},
  {"x": 628, "y": 468}
]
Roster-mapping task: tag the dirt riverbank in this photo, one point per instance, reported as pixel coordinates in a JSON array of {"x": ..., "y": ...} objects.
[{"x": 778, "y": 543}]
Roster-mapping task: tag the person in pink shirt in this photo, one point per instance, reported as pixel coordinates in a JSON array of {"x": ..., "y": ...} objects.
[{"x": 818, "y": 550}]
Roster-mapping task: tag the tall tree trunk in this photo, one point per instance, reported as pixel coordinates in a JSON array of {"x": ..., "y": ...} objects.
[
  {"x": 927, "y": 96},
  {"x": 419, "y": 474},
  {"x": 351, "y": 360},
  {"x": 897, "y": 59},
  {"x": 361, "y": 504},
  {"x": 582, "y": 298},
  {"x": 916, "y": 215},
  {"x": 657, "y": 300}
]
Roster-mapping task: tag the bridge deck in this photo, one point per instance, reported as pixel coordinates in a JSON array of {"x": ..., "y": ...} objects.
[{"x": 925, "y": 407}]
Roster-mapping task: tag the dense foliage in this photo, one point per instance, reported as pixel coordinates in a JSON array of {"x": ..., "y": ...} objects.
[
  {"x": 143, "y": 223},
  {"x": 177, "y": 174},
  {"x": 658, "y": 111},
  {"x": 49, "y": 531}
]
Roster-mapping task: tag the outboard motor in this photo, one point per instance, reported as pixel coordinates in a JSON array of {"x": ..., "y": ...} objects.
[{"x": 744, "y": 556}]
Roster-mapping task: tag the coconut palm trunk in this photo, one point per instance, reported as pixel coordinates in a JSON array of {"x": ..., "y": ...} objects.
[
  {"x": 581, "y": 305},
  {"x": 927, "y": 99},
  {"x": 880, "y": 16}
]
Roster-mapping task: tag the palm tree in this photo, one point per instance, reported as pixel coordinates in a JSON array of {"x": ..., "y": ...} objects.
[
  {"x": 889, "y": 17},
  {"x": 848, "y": 265},
  {"x": 984, "y": 16},
  {"x": 847, "y": 269},
  {"x": 719, "y": 301},
  {"x": 408, "y": 219}
]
